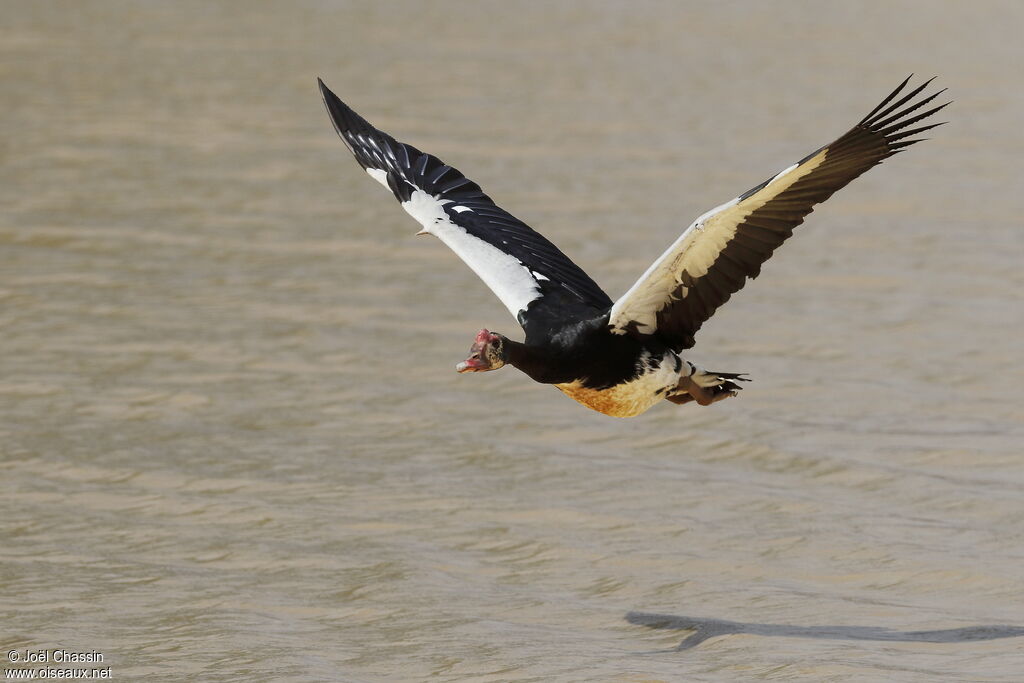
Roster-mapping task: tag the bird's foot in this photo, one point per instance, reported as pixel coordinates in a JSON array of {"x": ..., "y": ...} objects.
[{"x": 704, "y": 396}]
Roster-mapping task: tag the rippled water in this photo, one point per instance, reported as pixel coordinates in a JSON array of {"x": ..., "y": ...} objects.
[{"x": 233, "y": 443}]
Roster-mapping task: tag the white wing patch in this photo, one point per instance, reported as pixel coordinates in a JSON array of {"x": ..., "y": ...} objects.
[
  {"x": 380, "y": 175},
  {"x": 695, "y": 252},
  {"x": 503, "y": 273}
]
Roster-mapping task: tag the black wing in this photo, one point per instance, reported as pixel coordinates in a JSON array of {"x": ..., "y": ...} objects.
[
  {"x": 528, "y": 273},
  {"x": 714, "y": 257}
]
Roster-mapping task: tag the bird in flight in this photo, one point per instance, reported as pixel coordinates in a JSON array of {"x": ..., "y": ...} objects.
[{"x": 622, "y": 357}]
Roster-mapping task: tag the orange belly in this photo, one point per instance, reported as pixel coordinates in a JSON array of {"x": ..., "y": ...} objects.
[{"x": 625, "y": 400}]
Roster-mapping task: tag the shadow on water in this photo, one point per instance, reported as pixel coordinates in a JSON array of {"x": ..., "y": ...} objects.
[{"x": 711, "y": 628}]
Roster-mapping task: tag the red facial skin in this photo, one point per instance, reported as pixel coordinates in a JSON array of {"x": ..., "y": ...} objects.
[{"x": 477, "y": 361}]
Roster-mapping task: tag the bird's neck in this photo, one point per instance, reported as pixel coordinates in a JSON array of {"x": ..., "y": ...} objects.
[{"x": 539, "y": 362}]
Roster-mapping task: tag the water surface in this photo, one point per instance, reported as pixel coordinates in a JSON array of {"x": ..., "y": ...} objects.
[{"x": 233, "y": 442}]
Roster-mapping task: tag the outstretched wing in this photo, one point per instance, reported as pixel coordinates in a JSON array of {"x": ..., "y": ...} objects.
[
  {"x": 714, "y": 256},
  {"x": 519, "y": 265}
]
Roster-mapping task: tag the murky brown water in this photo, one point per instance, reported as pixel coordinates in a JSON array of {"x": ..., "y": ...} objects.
[{"x": 233, "y": 443}]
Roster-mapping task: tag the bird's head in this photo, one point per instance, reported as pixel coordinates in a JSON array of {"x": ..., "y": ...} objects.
[{"x": 487, "y": 353}]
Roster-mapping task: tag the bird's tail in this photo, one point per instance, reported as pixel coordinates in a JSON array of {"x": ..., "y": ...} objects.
[{"x": 719, "y": 382}]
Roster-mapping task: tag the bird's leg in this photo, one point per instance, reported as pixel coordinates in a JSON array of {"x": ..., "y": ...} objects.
[
  {"x": 703, "y": 396},
  {"x": 695, "y": 390}
]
